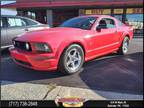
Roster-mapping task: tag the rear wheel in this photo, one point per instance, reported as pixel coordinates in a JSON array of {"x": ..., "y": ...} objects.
[
  {"x": 72, "y": 59},
  {"x": 124, "y": 47}
]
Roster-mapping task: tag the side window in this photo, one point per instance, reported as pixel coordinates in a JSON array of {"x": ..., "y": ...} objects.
[
  {"x": 107, "y": 23},
  {"x": 102, "y": 24},
  {"x": 11, "y": 22},
  {"x": 110, "y": 23},
  {"x": 20, "y": 22},
  {"x": 16, "y": 22},
  {"x": 30, "y": 22},
  {"x": 86, "y": 24}
]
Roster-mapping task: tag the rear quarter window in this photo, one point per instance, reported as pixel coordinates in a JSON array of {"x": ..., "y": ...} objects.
[
  {"x": 108, "y": 22},
  {"x": 120, "y": 23},
  {"x": 31, "y": 22}
]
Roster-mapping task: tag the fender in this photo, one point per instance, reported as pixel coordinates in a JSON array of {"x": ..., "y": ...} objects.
[
  {"x": 125, "y": 33},
  {"x": 67, "y": 43}
]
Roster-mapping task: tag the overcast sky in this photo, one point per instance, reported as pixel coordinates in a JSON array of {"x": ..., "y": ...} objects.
[
  {"x": 7, "y": 1},
  {"x": 8, "y": 11}
]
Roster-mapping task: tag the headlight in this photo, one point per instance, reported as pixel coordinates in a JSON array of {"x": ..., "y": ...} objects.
[
  {"x": 42, "y": 47},
  {"x": 27, "y": 46},
  {"x": 13, "y": 42},
  {"x": 22, "y": 45}
]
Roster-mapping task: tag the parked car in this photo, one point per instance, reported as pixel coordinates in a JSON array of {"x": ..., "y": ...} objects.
[
  {"x": 12, "y": 26},
  {"x": 67, "y": 47}
]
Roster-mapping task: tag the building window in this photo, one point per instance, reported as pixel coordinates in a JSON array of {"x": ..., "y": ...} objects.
[
  {"x": 39, "y": 15},
  {"x": 119, "y": 17},
  {"x": 118, "y": 13},
  {"x": 29, "y": 14}
]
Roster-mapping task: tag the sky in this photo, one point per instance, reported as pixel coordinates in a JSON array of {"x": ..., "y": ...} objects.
[
  {"x": 8, "y": 11},
  {"x": 7, "y": 1}
]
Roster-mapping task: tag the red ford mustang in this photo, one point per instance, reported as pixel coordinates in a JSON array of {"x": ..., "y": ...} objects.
[{"x": 68, "y": 46}]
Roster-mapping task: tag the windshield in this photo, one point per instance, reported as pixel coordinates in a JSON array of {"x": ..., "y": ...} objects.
[{"x": 80, "y": 22}]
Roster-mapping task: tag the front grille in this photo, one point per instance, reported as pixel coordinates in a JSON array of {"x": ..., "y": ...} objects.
[
  {"x": 22, "y": 62},
  {"x": 22, "y": 45}
]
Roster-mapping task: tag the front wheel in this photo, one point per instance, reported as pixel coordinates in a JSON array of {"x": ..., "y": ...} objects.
[
  {"x": 124, "y": 47},
  {"x": 72, "y": 59}
]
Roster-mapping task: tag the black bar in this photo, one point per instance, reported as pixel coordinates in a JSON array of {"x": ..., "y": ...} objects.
[
  {"x": 95, "y": 104},
  {"x": 115, "y": 104},
  {"x": 27, "y": 103}
]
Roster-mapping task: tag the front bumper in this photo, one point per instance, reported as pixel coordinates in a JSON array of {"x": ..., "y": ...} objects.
[{"x": 44, "y": 61}]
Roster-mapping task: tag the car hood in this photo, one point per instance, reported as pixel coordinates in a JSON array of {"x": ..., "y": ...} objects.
[{"x": 50, "y": 34}]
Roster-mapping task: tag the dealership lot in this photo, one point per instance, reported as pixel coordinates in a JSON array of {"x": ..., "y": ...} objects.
[{"x": 111, "y": 76}]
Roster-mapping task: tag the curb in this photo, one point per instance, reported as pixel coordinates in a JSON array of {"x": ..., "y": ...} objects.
[{"x": 28, "y": 91}]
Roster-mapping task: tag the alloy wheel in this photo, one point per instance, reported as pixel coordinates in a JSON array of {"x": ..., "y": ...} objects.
[
  {"x": 125, "y": 46},
  {"x": 73, "y": 59}
]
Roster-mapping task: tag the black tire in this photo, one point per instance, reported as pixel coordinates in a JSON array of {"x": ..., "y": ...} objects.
[
  {"x": 63, "y": 67},
  {"x": 122, "y": 50}
]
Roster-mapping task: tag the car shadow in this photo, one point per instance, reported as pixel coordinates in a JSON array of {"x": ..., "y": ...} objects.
[
  {"x": 16, "y": 73},
  {"x": 4, "y": 53},
  {"x": 122, "y": 74}
]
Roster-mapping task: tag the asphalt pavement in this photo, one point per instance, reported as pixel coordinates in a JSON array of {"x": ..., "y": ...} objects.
[{"x": 111, "y": 76}]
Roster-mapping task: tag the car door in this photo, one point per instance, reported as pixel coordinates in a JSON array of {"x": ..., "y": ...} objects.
[
  {"x": 105, "y": 39},
  {"x": 15, "y": 27},
  {"x": 3, "y": 33}
]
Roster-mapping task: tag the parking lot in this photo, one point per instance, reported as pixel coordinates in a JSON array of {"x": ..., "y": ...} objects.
[{"x": 112, "y": 76}]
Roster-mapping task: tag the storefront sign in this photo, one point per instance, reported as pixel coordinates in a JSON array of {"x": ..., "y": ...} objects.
[
  {"x": 106, "y": 11},
  {"x": 134, "y": 11},
  {"x": 129, "y": 11},
  {"x": 118, "y": 11},
  {"x": 98, "y": 11},
  {"x": 88, "y": 12}
]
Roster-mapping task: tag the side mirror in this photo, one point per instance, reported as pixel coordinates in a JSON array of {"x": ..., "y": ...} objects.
[{"x": 98, "y": 28}]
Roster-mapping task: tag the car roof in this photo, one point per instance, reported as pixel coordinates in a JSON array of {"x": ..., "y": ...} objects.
[
  {"x": 20, "y": 17},
  {"x": 13, "y": 16}
]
